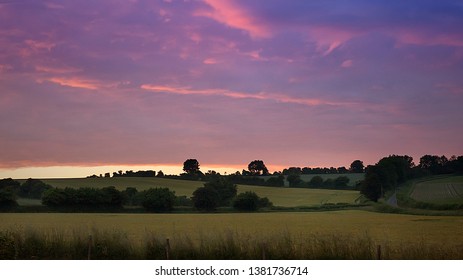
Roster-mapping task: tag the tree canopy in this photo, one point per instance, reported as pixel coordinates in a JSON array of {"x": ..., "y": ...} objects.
[{"x": 257, "y": 167}]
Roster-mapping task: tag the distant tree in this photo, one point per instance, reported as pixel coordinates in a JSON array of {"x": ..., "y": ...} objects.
[
  {"x": 247, "y": 201},
  {"x": 341, "y": 181},
  {"x": 160, "y": 174},
  {"x": 205, "y": 198},
  {"x": 357, "y": 166},
  {"x": 278, "y": 181},
  {"x": 295, "y": 181},
  {"x": 9, "y": 184},
  {"x": 257, "y": 167},
  {"x": 226, "y": 190},
  {"x": 128, "y": 195},
  {"x": 434, "y": 164},
  {"x": 7, "y": 199},
  {"x": 191, "y": 166},
  {"x": 33, "y": 188},
  {"x": 112, "y": 197},
  {"x": 159, "y": 200},
  {"x": 292, "y": 171},
  {"x": 316, "y": 182},
  {"x": 54, "y": 197}
]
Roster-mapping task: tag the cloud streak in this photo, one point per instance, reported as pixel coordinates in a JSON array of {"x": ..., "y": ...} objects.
[{"x": 241, "y": 95}]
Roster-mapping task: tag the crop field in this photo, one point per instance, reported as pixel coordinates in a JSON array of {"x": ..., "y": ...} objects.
[
  {"x": 337, "y": 234},
  {"x": 287, "y": 197},
  {"x": 444, "y": 190},
  {"x": 382, "y": 227}
]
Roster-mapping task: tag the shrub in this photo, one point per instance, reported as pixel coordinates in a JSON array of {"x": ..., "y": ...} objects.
[
  {"x": 159, "y": 200},
  {"x": 206, "y": 198},
  {"x": 247, "y": 201},
  {"x": 250, "y": 201}
]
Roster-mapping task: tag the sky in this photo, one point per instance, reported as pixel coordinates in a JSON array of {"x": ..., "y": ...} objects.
[{"x": 87, "y": 84}]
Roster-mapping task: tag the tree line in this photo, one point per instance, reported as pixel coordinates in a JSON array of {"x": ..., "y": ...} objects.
[{"x": 217, "y": 192}]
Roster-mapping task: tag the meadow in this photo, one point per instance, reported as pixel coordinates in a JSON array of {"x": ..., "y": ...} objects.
[
  {"x": 286, "y": 197},
  {"x": 348, "y": 234}
]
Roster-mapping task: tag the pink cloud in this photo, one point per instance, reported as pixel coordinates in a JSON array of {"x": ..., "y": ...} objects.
[
  {"x": 210, "y": 61},
  {"x": 74, "y": 82},
  {"x": 242, "y": 95},
  {"x": 231, "y": 14},
  {"x": 347, "y": 63},
  {"x": 57, "y": 70}
]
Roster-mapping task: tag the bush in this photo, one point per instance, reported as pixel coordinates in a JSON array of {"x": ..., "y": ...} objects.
[
  {"x": 247, "y": 201},
  {"x": 159, "y": 200},
  {"x": 206, "y": 198},
  {"x": 250, "y": 201}
]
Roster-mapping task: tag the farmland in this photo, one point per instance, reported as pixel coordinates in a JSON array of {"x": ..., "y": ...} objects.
[
  {"x": 402, "y": 236},
  {"x": 441, "y": 190},
  {"x": 287, "y": 197}
]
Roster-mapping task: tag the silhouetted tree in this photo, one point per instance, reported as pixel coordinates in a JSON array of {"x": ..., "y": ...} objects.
[
  {"x": 257, "y": 167},
  {"x": 191, "y": 166},
  {"x": 357, "y": 166}
]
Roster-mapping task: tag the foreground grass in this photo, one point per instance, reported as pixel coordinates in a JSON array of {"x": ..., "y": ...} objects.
[
  {"x": 55, "y": 245},
  {"x": 349, "y": 234}
]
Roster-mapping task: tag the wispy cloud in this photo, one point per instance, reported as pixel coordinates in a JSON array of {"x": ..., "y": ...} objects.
[
  {"x": 75, "y": 82},
  {"x": 276, "y": 97}
]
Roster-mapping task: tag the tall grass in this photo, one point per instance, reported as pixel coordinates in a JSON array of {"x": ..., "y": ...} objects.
[{"x": 78, "y": 244}]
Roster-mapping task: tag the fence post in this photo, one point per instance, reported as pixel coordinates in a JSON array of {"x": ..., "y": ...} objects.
[
  {"x": 167, "y": 249},
  {"x": 90, "y": 242},
  {"x": 378, "y": 252}
]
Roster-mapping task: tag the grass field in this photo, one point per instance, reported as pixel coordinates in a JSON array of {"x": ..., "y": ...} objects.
[
  {"x": 340, "y": 234},
  {"x": 441, "y": 190},
  {"x": 287, "y": 197}
]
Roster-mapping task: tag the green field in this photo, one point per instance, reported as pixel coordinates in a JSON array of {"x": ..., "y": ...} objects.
[
  {"x": 346, "y": 231},
  {"x": 286, "y": 197},
  {"x": 440, "y": 190}
]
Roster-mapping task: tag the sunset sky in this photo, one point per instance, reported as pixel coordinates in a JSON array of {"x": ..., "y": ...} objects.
[{"x": 293, "y": 83}]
